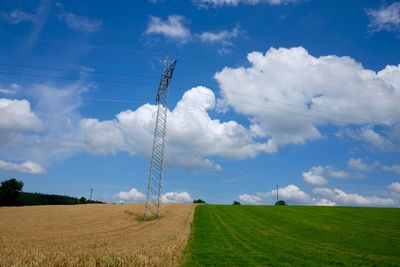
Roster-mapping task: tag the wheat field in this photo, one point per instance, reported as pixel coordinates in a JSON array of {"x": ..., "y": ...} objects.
[{"x": 93, "y": 235}]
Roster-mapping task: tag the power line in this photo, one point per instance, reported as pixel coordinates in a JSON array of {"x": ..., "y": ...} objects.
[
  {"x": 283, "y": 103},
  {"x": 114, "y": 100},
  {"x": 119, "y": 49},
  {"x": 179, "y": 80},
  {"x": 73, "y": 79},
  {"x": 183, "y": 89},
  {"x": 111, "y": 48},
  {"x": 94, "y": 72},
  {"x": 293, "y": 112},
  {"x": 282, "y": 110}
]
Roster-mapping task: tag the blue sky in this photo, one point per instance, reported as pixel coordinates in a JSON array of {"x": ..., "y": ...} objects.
[{"x": 300, "y": 94}]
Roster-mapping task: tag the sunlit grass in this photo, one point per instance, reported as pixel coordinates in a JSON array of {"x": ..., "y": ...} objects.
[{"x": 293, "y": 236}]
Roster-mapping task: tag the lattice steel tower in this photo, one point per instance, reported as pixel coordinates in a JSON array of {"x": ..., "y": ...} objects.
[{"x": 152, "y": 207}]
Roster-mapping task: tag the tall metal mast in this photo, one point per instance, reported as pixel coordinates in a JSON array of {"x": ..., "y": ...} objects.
[{"x": 152, "y": 207}]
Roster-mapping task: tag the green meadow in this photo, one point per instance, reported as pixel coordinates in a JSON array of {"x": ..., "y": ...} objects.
[{"x": 224, "y": 235}]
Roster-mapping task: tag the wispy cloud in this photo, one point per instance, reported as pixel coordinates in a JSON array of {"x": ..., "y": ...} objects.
[
  {"x": 391, "y": 168},
  {"x": 42, "y": 13},
  {"x": 386, "y": 18},
  {"x": 358, "y": 164},
  {"x": 223, "y": 37},
  {"x": 218, "y": 3},
  {"x": 17, "y": 16},
  {"x": 77, "y": 22},
  {"x": 37, "y": 17},
  {"x": 27, "y": 166},
  {"x": 11, "y": 89},
  {"x": 174, "y": 27}
]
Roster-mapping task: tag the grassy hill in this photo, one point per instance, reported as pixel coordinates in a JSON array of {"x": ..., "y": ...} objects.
[{"x": 293, "y": 236}]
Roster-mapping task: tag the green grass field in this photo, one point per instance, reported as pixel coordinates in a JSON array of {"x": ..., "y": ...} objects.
[{"x": 224, "y": 235}]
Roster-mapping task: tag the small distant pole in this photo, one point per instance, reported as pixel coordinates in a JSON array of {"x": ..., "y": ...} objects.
[
  {"x": 91, "y": 191},
  {"x": 277, "y": 193}
]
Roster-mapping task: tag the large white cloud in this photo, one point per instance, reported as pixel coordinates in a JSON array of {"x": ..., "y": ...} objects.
[
  {"x": 343, "y": 198},
  {"x": 17, "y": 116},
  {"x": 27, "y": 166},
  {"x": 192, "y": 136},
  {"x": 289, "y": 94}
]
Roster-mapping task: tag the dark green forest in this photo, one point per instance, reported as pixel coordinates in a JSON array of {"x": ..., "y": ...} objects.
[{"x": 11, "y": 194}]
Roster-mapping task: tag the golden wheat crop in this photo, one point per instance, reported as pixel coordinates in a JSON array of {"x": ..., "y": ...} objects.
[{"x": 93, "y": 235}]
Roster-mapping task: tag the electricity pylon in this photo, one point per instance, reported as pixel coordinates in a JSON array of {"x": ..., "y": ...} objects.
[{"x": 152, "y": 207}]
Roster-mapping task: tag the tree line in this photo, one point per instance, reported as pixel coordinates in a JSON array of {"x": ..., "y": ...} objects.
[{"x": 11, "y": 195}]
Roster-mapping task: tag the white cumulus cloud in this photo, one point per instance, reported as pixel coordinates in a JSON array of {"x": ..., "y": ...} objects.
[
  {"x": 249, "y": 199},
  {"x": 324, "y": 202},
  {"x": 27, "y": 166},
  {"x": 290, "y": 194},
  {"x": 17, "y": 116},
  {"x": 176, "y": 197},
  {"x": 289, "y": 94},
  {"x": 132, "y": 195},
  {"x": 395, "y": 187},
  {"x": 189, "y": 126},
  {"x": 315, "y": 176},
  {"x": 343, "y": 198}
]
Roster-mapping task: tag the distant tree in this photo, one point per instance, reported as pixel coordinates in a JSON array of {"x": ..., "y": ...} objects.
[
  {"x": 236, "y": 203},
  {"x": 82, "y": 200},
  {"x": 280, "y": 203},
  {"x": 10, "y": 191},
  {"x": 198, "y": 201}
]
